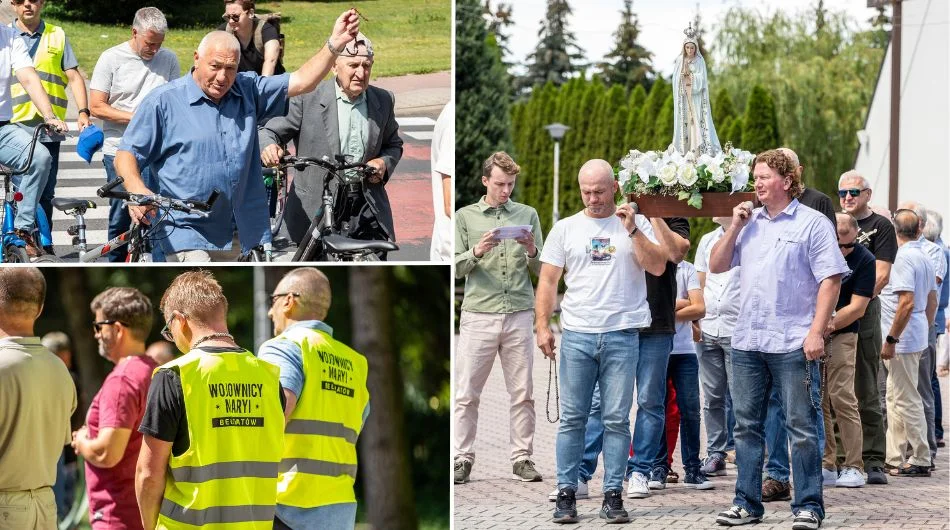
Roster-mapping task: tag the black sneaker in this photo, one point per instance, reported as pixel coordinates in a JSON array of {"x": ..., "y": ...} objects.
[
  {"x": 736, "y": 516},
  {"x": 806, "y": 520},
  {"x": 697, "y": 480},
  {"x": 658, "y": 478},
  {"x": 463, "y": 468},
  {"x": 876, "y": 475},
  {"x": 565, "y": 509},
  {"x": 612, "y": 509}
]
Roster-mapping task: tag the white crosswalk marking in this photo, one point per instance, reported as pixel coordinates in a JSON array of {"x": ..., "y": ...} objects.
[{"x": 78, "y": 179}]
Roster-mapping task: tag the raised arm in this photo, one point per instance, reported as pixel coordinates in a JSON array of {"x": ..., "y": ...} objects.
[{"x": 316, "y": 68}]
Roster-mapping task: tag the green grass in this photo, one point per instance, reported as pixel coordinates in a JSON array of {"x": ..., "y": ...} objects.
[{"x": 409, "y": 36}]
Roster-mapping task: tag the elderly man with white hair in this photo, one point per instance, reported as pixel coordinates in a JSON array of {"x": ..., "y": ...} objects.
[
  {"x": 877, "y": 234},
  {"x": 932, "y": 232},
  {"x": 199, "y": 133}
]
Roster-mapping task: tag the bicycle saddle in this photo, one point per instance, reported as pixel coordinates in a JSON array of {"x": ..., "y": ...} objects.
[
  {"x": 338, "y": 243},
  {"x": 63, "y": 203}
]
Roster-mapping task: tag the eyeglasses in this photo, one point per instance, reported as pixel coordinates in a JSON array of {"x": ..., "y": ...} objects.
[
  {"x": 166, "y": 331},
  {"x": 232, "y": 18},
  {"x": 20, "y": 2},
  {"x": 847, "y": 245},
  {"x": 97, "y": 324},
  {"x": 854, "y": 192},
  {"x": 275, "y": 296}
]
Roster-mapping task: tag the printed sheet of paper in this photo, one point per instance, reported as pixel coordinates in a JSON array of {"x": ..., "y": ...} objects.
[{"x": 512, "y": 232}]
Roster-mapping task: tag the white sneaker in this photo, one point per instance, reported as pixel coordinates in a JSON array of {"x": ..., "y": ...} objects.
[
  {"x": 638, "y": 487},
  {"x": 581, "y": 493},
  {"x": 828, "y": 477},
  {"x": 850, "y": 478}
]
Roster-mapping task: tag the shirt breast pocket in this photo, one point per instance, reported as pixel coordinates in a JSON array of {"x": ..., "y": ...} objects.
[{"x": 790, "y": 260}]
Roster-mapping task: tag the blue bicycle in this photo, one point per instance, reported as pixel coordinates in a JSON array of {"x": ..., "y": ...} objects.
[{"x": 14, "y": 248}]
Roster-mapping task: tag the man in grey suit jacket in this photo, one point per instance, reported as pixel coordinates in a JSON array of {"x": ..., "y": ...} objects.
[{"x": 344, "y": 115}]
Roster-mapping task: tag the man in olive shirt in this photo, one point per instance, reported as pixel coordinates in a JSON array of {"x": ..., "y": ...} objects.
[{"x": 497, "y": 313}]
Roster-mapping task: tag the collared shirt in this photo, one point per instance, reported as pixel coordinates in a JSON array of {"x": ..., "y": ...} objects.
[
  {"x": 912, "y": 271},
  {"x": 285, "y": 354},
  {"x": 353, "y": 117},
  {"x": 14, "y": 56},
  {"x": 498, "y": 282},
  {"x": 721, "y": 293},
  {"x": 686, "y": 280},
  {"x": 783, "y": 259},
  {"x": 194, "y": 146},
  {"x": 32, "y": 42},
  {"x": 937, "y": 259}
]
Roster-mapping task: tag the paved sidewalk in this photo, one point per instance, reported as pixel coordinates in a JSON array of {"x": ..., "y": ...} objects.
[{"x": 493, "y": 500}]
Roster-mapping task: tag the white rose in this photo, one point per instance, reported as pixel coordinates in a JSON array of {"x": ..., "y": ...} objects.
[
  {"x": 667, "y": 174},
  {"x": 688, "y": 175},
  {"x": 716, "y": 173}
]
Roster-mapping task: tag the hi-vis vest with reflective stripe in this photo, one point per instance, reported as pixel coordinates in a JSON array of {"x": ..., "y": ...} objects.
[
  {"x": 228, "y": 476},
  {"x": 48, "y": 63},
  {"x": 318, "y": 466}
]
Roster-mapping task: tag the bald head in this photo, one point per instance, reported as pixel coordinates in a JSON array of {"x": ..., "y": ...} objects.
[
  {"x": 219, "y": 40},
  {"x": 596, "y": 171},
  {"x": 918, "y": 209},
  {"x": 907, "y": 225},
  {"x": 313, "y": 288}
]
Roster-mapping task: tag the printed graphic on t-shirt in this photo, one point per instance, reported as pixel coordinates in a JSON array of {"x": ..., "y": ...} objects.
[
  {"x": 864, "y": 238},
  {"x": 238, "y": 401},
  {"x": 601, "y": 251}
]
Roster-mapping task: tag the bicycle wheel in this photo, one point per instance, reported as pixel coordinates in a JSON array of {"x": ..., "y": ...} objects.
[{"x": 15, "y": 254}]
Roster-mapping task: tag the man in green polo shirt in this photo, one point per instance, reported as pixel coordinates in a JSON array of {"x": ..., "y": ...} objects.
[{"x": 497, "y": 312}]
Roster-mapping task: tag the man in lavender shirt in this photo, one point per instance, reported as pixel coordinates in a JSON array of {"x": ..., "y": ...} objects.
[{"x": 789, "y": 280}]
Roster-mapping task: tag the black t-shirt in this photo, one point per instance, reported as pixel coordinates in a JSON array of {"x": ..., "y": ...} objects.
[
  {"x": 859, "y": 282},
  {"x": 165, "y": 417},
  {"x": 661, "y": 290},
  {"x": 882, "y": 241},
  {"x": 817, "y": 200},
  {"x": 252, "y": 59}
]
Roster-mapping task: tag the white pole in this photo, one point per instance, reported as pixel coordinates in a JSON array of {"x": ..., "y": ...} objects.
[{"x": 557, "y": 157}]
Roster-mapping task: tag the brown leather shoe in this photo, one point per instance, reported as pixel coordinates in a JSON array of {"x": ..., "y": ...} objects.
[
  {"x": 32, "y": 251},
  {"x": 773, "y": 490}
]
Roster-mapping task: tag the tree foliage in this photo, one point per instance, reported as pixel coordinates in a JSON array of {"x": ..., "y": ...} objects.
[
  {"x": 627, "y": 64},
  {"x": 122, "y": 11},
  {"x": 557, "y": 56},
  {"x": 483, "y": 97},
  {"x": 760, "y": 123}
]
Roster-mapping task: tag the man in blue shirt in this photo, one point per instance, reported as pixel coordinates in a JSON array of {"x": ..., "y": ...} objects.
[
  {"x": 301, "y": 301},
  {"x": 199, "y": 133}
]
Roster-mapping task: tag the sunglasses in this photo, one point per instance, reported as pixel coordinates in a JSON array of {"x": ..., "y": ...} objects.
[
  {"x": 232, "y": 18},
  {"x": 854, "y": 192},
  {"x": 97, "y": 324},
  {"x": 20, "y": 2},
  {"x": 275, "y": 296},
  {"x": 847, "y": 245}
]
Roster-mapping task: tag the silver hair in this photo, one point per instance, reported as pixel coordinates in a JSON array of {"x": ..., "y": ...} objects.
[
  {"x": 847, "y": 219},
  {"x": 934, "y": 226},
  {"x": 221, "y": 39},
  {"x": 853, "y": 174},
  {"x": 150, "y": 18}
]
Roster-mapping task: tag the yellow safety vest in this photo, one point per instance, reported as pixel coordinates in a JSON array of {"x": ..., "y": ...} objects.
[
  {"x": 228, "y": 475},
  {"x": 48, "y": 63},
  {"x": 318, "y": 465}
]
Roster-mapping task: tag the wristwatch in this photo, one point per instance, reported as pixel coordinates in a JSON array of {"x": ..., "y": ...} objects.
[
  {"x": 86, "y": 111},
  {"x": 892, "y": 340},
  {"x": 634, "y": 231}
]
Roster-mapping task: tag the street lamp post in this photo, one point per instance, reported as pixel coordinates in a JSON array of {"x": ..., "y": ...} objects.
[{"x": 556, "y": 130}]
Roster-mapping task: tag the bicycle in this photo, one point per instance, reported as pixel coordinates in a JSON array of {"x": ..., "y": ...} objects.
[
  {"x": 14, "y": 247},
  {"x": 275, "y": 181},
  {"x": 346, "y": 227},
  {"x": 138, "y": 236}
]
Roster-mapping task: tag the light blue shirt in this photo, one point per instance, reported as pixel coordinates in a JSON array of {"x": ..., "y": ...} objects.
[
  {"x": 686, "y": 280},
  {"x": 914, "y": 272},
  {"x": 783, "y": 259},
  {"x": 286, "y": 355},
  {"x": 193, "y": 145},
  {"x": 937, "y": 259}
]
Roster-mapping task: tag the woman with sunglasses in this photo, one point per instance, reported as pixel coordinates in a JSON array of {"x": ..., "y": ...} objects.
[{"x": 260, "y": 40}]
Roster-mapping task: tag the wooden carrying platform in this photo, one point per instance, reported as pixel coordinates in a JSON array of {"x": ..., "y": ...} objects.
[{"x": 718, "y": 204}]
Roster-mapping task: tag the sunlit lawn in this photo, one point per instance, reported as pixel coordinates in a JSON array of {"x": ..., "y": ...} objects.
[{"x": 409, "y": 36}]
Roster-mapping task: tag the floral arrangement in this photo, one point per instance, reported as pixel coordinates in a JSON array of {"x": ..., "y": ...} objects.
[{"x": 685, "y": 176}]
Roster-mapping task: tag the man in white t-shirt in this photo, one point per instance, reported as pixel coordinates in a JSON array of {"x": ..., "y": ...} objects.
[
  {"x": 123, "y": 76},
  {"x": 908, "y": 306},
  {"x": 603, "y": 252},
  {"x": 15, "y": 141},
  {"x": 443, "y": 171},
  {"x": 721, "y": 295}
]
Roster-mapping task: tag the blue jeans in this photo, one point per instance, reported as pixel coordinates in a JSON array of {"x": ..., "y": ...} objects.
[
  {"x": 330, "y": 517},
  {"x": 650, "y": 427},
  {"x": 119, "y": 218},
  {"x": 757, "y": 373},
  {"x": 610, "y": 361},
  {"x": 46, "y": 198},
  {"x": 684, "y": 371},
  {"x": 593, "y": 438},
  {"x": 714, "y": 370},
  {"x": 776, "y": 435},
  {"x": 14, "y": 150}
]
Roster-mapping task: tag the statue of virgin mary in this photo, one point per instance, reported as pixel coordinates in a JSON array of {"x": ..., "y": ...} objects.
[{"x": 693, "y": 129}]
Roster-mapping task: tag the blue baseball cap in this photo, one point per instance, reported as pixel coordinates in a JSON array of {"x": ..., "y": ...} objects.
[{"x": 90, "y": 141}]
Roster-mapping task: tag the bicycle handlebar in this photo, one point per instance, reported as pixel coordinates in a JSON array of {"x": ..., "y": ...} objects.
[
  {"x": 201, "y": 208},
  {"x": 29, "y": 158},
  {"x": 301, "y": 162}
]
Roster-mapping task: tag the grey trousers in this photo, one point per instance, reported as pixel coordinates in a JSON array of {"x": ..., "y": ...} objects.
[{"x": 715, "y": 376}]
